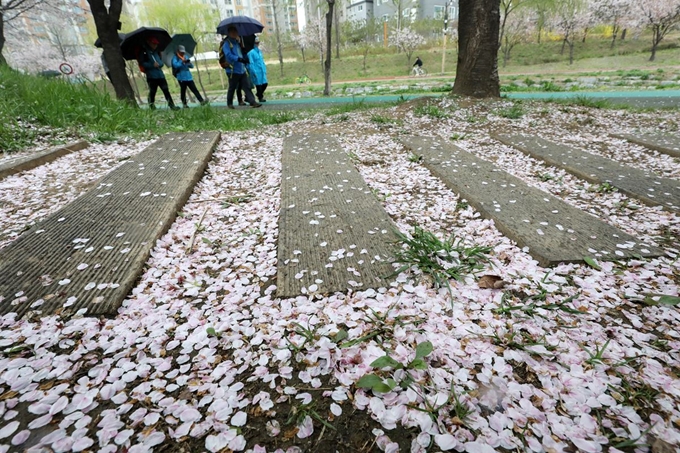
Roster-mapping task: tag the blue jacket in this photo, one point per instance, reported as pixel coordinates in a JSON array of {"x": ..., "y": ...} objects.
[
  {"x": 182, "y": 69},
  {"x": 232, "y": 52},
  {"x": 257, "y": 68},
  {"x": 147, "y": 63}
]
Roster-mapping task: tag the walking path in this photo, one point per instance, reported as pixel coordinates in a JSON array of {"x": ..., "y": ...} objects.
[
  {"x": 25, "y": 162},
  {"x": 552, "y": 230},
  {"x": 89, "y": 254},
  {"x": 640, "y": 184},
  {"x": 333, "y": 233},
  {"x": 663, "y": 143}
]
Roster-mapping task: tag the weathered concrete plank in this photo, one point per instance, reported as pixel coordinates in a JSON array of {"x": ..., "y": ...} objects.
[
  {"x": 26, "y": 162},
  {"x": 90, "y": 253},
  {"x": 553, "y": 231},
  {"x": 663, "y": 143},
  {"x": 333, "y": 233},
  {"x": 640, "y": 184}
]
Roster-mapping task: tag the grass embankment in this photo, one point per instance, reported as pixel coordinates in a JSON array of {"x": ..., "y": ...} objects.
[{"x": 36, "y": 109}]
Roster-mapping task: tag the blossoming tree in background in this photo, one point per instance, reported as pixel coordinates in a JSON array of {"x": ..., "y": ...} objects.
[
  {"x": 406, "y": 40},
  {"x": 569, "y": 17},
  {"x": 618, "y": 14},
  {"x": 660, "y": 16}
]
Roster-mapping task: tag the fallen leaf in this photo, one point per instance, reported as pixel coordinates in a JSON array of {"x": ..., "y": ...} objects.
[{"x": 491, "y": 282}]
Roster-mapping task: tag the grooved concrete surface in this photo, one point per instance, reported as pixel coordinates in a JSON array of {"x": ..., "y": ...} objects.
[
  {"x": 553, "y": 231},
  {"x": 640, "y": 184},
  {"x": 663, "y": 143},
  {"x": 334, "y": 235},
  {"x": 25, "y": 162},
  {"x": 90, "y": 253}
]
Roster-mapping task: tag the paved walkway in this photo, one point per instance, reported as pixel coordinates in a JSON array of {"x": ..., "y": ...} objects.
[
  {"x": 663, "y": 143},
  {"x": 640, "y": 184},
  {"x": 90, "y": 253},
  {"x": 334, "y": 235},
  {"x": 553, "y": 230},
  {"x": 27, "y": 161}
]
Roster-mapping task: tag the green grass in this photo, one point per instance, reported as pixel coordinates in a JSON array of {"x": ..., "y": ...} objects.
[{"x": 82, "y": 110}]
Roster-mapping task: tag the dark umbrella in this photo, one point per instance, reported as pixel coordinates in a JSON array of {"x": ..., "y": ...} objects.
[
  {"x": 182, "y": 39},
  {"x": 98, "y": 42},
  {"x": 248, "y": 42},
  {"x": 245, "y": 25},
  {"x": 135, "y": 40}
]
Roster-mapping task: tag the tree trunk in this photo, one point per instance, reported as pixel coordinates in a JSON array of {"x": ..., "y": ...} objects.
[
  {"x": 477, "y": 67},
  {"x": 278, "y": 36},
  {"x": 623, "y": 34},
  {"x": 564, "y": 44},
  {"x": 571, "y": 52},
  {"x": 585, "y": 34},
  {"x": 656, "y": 39},
  {"x": 107, "y": 22},
  {"x": 615, "y": 32},
  {"x": 303, "y": 54},
  {"x": 329, "y": 49},
  {"x": 538, "y": 36},
  {"x": 3, "y": 62},
  {"x": 337, "y": 36}
]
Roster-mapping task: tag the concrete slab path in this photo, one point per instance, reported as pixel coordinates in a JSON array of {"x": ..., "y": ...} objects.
[
  {"x": 663, "y": 143},
  {"x": 89, "y": 254},
  {"x": 334, "y": 235},
  {"x": 636, "y": 183},
  {"x": 553, "y": 230},
  {"x": 27, "y": 161}
]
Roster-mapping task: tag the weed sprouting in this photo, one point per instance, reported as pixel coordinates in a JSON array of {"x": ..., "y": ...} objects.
[
  {"x": 441, "y": 259},
  {"x": 513, "y": 113}
]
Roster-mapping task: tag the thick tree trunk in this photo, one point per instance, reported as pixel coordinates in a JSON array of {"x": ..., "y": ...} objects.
[
  {"x": 329, "y": 49},
  {"x": 107, "y": 21},
  {"x": 337, "y": 36},
  {"x": 279, "y": 50},
  {"x": 477, "y": 68},
  {"x": 3, "y": 62}
]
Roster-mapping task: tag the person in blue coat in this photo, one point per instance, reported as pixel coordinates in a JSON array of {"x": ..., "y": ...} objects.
[
  {"x": 180, "y": 69},
  {"x": 150, "y": 60},
  {"x": 236, "y": 70},
  {"x": 258, "y": 70}
]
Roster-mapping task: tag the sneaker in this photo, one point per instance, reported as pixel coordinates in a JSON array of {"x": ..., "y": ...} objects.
[
  {"x": 256, "y": 105},
  {"x": 205, "y": 102},
  {"x": 263, "y": 100},
  {"x": 152, "y": 107},
  {"x": 174, "y": 107},
  {"x": 241, "y": 103},
  {"x": 185, "y": 106},
  {"x": 231, "y": 107}
]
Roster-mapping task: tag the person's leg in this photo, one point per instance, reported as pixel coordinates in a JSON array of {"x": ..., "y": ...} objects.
[
  {"x": 250, "y": 97},
  {"x": 260, "y": 91},
  {"x": 163, "y": 85},
  {"x": 153, "y": 87},
  {"x": 183, "y": 92},
  {"x": 192, "y": 86},
  {"x": 233, "y": 84}
]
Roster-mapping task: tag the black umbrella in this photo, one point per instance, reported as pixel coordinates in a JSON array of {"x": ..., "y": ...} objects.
[
  {"x": 98, "y": 42},
  {"x": 135, "y": 40},
  {"x": 245, "y": 25}
]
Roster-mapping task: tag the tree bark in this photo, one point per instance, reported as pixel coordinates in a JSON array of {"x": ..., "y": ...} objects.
[
  {"x": 615, "y": 33},
  {"x": 278, "y": 36},
  {"x": 623, "y": 34},
  {"x": 477, "y": 67},
  {"x": 3, "y": 62},
  {"x": 337, "y": 36},
  {"x": 329, "y": 49},
  {"x": 107, "y": 21}
]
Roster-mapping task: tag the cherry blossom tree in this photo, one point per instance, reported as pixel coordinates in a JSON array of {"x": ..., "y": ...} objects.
[
  {"x": 569, "y": 17},
  {"x": 507, "y": 8},
  {"x": 300, "y": 40},
  {"x": 615, "y": 13},
  {"x": 11, "y": 10},
  {"x": 660, "y": 16},
  {"x": 516, "y": 31},
  {"x": 314, "y": 35},
  {"x": 406, "y": 40}
]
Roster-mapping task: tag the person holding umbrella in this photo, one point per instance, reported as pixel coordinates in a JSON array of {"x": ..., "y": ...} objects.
[
  {"x": 150, "y": 60},
  {"x": 236, "y": 70},
  {"x": 258, "y": 70},
  {"x": 181, "y": 63}
]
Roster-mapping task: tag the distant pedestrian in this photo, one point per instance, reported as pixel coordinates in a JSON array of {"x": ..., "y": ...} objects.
[
  {"x": 258, "y": 70},
  {"x": 150, "y": 60},
  {"x": 180, "y": 69},
  {"x": 236, "y": 69}
]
